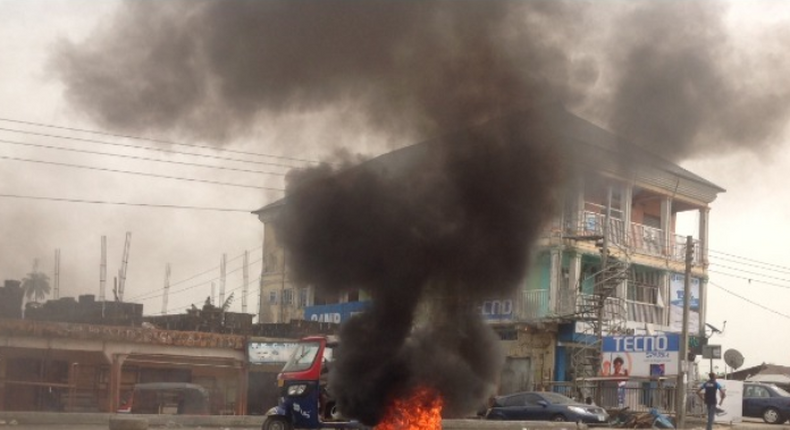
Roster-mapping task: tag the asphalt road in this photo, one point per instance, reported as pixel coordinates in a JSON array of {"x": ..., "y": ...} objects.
[{"x": 747, "y": 424}]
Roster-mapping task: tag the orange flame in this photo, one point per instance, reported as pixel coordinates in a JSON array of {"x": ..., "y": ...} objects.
[{"x": 420, "y": 411}]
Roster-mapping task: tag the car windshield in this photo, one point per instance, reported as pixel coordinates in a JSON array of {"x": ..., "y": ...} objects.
[
  {"x": 556, "y": 398},
  {"x": 781, "y": 392},
  {"x": 302, "y": 357}
]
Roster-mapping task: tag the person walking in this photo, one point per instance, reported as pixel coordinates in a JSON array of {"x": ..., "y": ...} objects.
[{"x": 711, "y": 387}]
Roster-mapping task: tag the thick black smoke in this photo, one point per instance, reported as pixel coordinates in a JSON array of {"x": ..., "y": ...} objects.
[
  {"x": 681, "y": 88},
  {"x": 214, "y": 68},
  {"x": 667, "y": 75},
  {"x": 442, "y": 224}
]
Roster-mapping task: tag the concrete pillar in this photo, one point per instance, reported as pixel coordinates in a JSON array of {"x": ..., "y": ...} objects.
[
  {"x": 574, "y": 280},
  {"x": 626, "y": 201},
  {"x": 242, "y": 388},
  {"x": 554, "y": 280},
  {"x": 73, "y": 377},
  {"x": 704, "y": 223},
  {"x": 116, "y": 366},
  {"x": 3, "y": 361},
  {"x": 666, "y": 225}
]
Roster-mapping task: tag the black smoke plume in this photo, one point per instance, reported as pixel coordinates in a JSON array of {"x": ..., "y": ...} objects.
[
  {"x": 428, "y": 231},
  {"x": 667, "y": 75}
]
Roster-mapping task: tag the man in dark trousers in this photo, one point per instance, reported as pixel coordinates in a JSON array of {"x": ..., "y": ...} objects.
[{"x": 711, "y": 387}]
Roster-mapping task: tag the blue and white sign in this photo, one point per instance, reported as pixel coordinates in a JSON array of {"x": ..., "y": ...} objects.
[
  {"x": 646, "y": 356},
  {"x": 497, "y": 310},
  {"x": 676, "y": 294},
  {"x": 269, "y": 352},
  {"x": 337, "y": 313}
]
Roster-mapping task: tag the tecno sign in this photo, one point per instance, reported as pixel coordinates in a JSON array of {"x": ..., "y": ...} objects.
[{"x": 657, "y": 343}]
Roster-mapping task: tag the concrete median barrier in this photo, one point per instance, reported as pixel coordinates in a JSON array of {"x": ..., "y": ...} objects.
[{"x": 122, "y": 422}]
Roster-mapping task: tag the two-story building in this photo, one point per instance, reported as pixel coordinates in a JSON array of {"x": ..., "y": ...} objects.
[{"x": 623, "y": 203}]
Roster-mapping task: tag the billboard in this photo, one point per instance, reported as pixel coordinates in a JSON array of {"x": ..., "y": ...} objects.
[
  {"x": 496, "y": 310},
  {"x": 732, "y": 404},
  {"x": 676, "y": 281},
  {"x": 645, "y": 356},
  {"x": 269, "y": 352},
  {"x": 336, "y": 313}
]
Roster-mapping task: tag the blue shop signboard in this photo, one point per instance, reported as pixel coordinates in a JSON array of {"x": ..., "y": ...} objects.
[
  {"x": 336, "y": 313},
  {"x": 499, "y": 310}
]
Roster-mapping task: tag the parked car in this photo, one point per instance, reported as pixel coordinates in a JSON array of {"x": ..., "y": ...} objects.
[
  {"x": 544, "y": 406},
  {"x": 766, "y": 401}
]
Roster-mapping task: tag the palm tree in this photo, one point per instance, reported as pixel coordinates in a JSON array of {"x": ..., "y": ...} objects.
[{"x": 36, "y": 285}]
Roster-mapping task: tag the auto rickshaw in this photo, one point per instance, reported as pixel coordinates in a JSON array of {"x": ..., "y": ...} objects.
[{"x": 305, "y": 397}]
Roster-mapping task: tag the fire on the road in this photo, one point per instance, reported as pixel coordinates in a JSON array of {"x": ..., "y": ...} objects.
[{"x": 422, "y": 410}]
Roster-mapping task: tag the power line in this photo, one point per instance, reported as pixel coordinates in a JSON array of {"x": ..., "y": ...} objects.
[
  {"x": 761, "y": 263},
  {"x": 192, "y": 277},
  {"x": 130, "y": 172},
  {"x": 126, "y": 136},
  {"x": 232, "y": 290},
  {"x": 102, "y": 202},
  {"x": 150, "y": 148},
  {"x": 753, "y": 273},
  {"x": 133, "y": 157},
  {"x": 141, "y": 297},
  {"x": 750, "y": 279},
  {"x": 750, "y": 301}
]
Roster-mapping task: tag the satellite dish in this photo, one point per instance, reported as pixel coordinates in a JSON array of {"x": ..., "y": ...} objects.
[{"x": 733, "y": 358}]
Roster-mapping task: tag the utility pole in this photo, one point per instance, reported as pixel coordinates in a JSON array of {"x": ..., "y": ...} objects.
[
  {"x": 167, "y": 289},
  {"x": 603, "y": 290},
  {"x": 246, "y": 281},
  {"x": 222, "y": 280},
  {"x": 103, "y": 273},
  {"x": 124, "y": 265},
  {"x": 684, "y": 341},
  {"x": 57, "y": 274}
]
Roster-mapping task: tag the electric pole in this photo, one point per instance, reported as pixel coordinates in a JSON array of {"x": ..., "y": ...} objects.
[
  {"x": 246, "y": 281},
  {"x": 222, "y": 280},
  {"x": 684, "y": 341},
  {"x": 167, "y": 289},
  {"x": 57, "y": 274}
]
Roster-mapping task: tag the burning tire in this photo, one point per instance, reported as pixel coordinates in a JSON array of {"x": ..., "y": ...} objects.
[{"x": 276, "y": 423}]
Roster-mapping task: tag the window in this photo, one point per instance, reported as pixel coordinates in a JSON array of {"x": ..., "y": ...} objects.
[
  {"x": 302, "y": 357},
  {"x": 532, "y": 399},
  {"x": 517, "y": 400},
  {"x": 644, "y": 286},
  {"x": 288, "y": 297},
  {"x": 302, "y": 297},
  {"x": 273, "y": 297},
  {"x": 761, "y": 392}
]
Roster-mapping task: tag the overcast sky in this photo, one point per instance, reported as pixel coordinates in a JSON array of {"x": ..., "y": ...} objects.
[{"x": 71, "y": 64}]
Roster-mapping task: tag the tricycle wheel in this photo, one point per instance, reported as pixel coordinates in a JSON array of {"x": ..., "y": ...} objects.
[{"x": 276, "y": 423}]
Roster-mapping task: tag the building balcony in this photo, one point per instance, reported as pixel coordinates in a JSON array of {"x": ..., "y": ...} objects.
[
  {"x": 645, "y": 313},
  {"x": 633, "y": 237},
  {"x": 536, "y": 305}
]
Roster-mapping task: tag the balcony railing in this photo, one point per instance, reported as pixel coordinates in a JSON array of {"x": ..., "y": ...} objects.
[
  {"x": 638, "y": 238},
  {"x": 534, "y": 305},
  {"x": 645, "y": 312},
  {"x": 580, "y": 306}
]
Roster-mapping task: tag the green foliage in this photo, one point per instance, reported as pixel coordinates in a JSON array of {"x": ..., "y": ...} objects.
[{"x": 36, "y": 285}]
